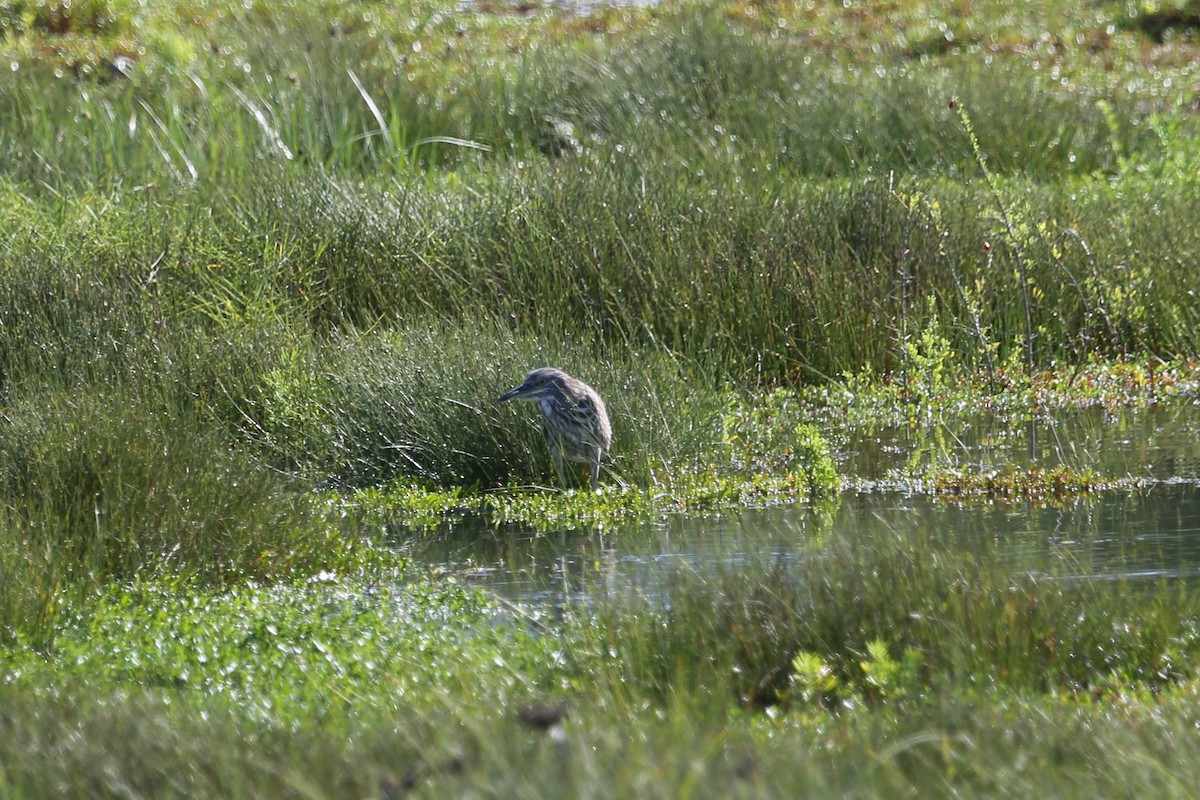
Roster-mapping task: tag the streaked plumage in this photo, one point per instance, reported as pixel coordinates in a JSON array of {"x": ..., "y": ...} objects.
[{"x": 574, "y": 420}]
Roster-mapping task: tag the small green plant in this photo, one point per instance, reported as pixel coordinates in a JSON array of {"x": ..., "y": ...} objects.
[
  {"x": 813, "y": 681},
  {"x": 877, "y": 677},
  {"x": 928, "y": 362},
  {"x": 769, "y": 435},
  {"x": 883, "y": 677}
]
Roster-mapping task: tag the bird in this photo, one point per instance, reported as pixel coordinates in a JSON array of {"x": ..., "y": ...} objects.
[{"x": 574, "y": 420}]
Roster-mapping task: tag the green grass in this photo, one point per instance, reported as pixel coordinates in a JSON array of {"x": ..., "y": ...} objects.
[
  {"x": 986, "y": 747},
  {"x": 352, "y": 682},
  {"x": 420, "y": 403},
  {"x": 261, "y": 283},
  {"x": 723, "y": 208},
  {"x": 102, "y": 490}
]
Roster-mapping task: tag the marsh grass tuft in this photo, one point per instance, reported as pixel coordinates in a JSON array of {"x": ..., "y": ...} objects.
[
  {"x": 103, "y": 489},
  {"x": 420, "y": 404},
  {"x": 860, "y": 610}
]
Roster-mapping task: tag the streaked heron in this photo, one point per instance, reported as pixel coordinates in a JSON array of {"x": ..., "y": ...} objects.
[{"x": 574, "y": 420}]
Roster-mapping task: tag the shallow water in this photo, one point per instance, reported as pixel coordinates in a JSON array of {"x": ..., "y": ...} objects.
[
  {"x": 1160, "y": 442},
  {"x": 1147, "y": 534},
  {"x": 1150, "y": 533}
]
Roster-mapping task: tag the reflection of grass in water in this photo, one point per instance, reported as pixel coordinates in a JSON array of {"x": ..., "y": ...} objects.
[{"x": 1103, "y": 425}]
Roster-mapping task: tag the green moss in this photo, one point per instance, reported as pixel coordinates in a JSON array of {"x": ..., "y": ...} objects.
[{"x": 551, "y": 509}]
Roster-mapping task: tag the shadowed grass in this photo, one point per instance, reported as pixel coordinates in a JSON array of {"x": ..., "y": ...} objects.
[{"x": 421, "y": 403}]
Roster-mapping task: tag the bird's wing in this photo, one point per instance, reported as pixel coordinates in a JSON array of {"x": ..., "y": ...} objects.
[{"x": 584, "y": 412}]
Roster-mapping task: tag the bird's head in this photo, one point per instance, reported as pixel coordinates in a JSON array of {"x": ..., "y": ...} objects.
[{"x": 538, "y": 384}]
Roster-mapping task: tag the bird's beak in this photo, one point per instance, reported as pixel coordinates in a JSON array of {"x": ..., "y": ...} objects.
[{"x": 511, "y": 393}]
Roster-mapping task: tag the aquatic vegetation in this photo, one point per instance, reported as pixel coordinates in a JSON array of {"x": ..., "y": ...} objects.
[
  {"x": 766, "y": 456},
  {"x": 289, "y": 654},
  {"x": 866, "y": 398},
  {"x": 408, "y": 507},
  {"x": 1011, "y": 482}
]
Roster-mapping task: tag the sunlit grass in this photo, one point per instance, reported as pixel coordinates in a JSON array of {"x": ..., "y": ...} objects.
[{"x": 265, "y": 268}]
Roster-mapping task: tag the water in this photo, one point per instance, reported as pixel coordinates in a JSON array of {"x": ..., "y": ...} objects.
[
  {"x": 1150, "y": 533},
  {"x": 1160, "y": 443},
  {"x": 1147, "y": 534}
]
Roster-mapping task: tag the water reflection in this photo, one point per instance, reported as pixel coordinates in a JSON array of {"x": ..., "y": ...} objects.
[
  {"x": 1161, "y": 442},
  {"x": 580, "y": 565},
  {"x": 1150, "y": 534}
]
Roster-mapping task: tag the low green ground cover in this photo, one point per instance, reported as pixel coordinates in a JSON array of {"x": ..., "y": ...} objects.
[{"x": 941, "y": 669}]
